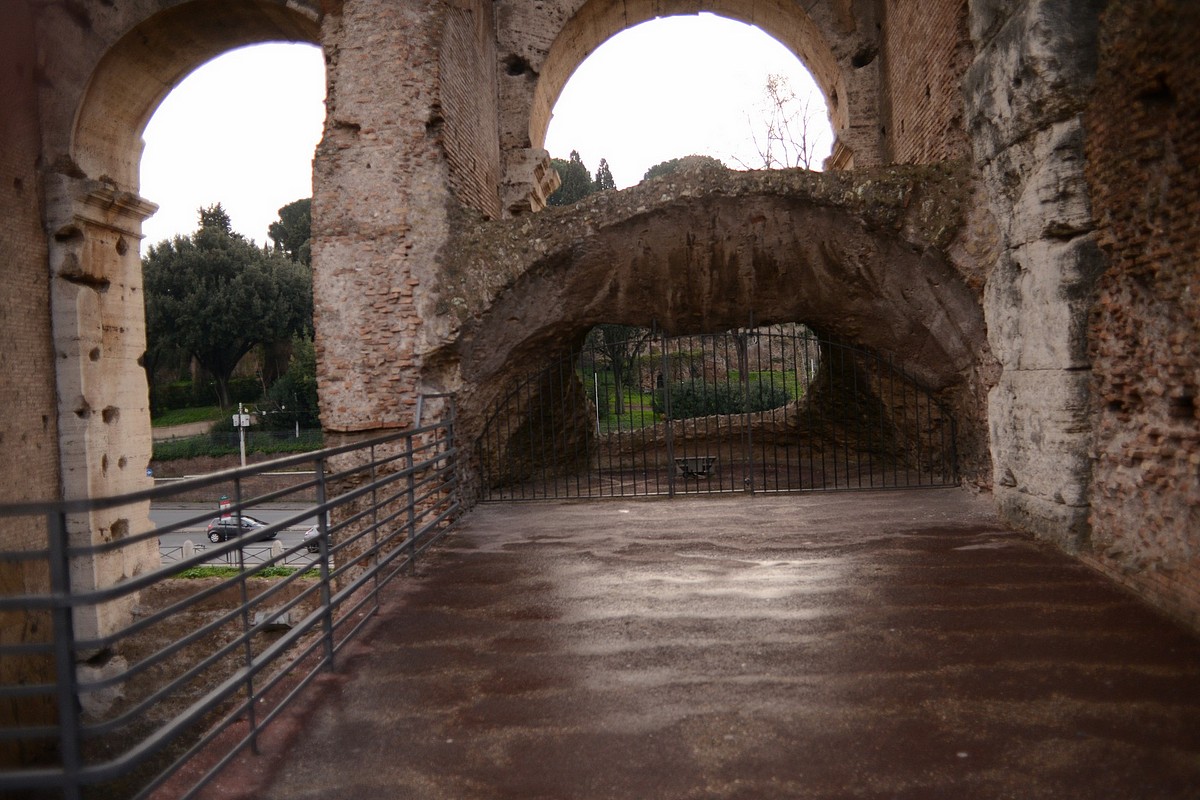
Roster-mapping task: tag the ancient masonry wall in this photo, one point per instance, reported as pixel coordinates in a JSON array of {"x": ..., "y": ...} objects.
[
  {"x": 926, "y": 50},
  {"x": 380, "y": 211},
  {"x": 1144, "y": 170},
  {"x": 28, "y": 430},
  {"x": 28, "y": 424},
  {"x": 468, "y": 94},
  {"x": 1025, "y": 96}
]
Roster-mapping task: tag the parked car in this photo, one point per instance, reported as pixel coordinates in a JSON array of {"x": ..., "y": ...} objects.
[
  {"x": 223, "y": 528},
  {"x": 312, "y": 539}
]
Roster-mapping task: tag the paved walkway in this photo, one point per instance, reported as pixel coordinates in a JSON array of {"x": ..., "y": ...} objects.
[
  {"x": 855, "y": 645},
  {"x": 181, "y": 431}
]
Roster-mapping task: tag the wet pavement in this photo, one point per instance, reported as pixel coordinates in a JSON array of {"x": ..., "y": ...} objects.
[{"x": 853, "y": 645}]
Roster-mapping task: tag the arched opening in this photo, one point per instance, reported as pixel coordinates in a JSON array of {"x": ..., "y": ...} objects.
[
  {"x": 240, "y": 130},
  {"x": 712, "y": 251},
  {"x": 596, "y": 22},
  {"x": 691, "y": 85},
  {"x": 94, "y": 214}
]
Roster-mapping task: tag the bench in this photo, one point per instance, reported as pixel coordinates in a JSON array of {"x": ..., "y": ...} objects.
[{"x": 695, "y": 466}]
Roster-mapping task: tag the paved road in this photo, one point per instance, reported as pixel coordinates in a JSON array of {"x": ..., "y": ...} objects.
[
  {"x": 856, "y": 645},
  {"x": 198, "y": 515}
]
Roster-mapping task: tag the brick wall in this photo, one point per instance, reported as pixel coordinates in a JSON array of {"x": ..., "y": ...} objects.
[
  {"x": 926, "y": 50},
  {"x": 28, "y": 430},
  {"x": 1143, "y": 151},
  {"x": 468, "y": 95},
  {"x": 26, "y": 359}
]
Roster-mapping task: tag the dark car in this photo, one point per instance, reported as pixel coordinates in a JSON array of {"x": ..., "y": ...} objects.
[{"x": 223, "y": 528}]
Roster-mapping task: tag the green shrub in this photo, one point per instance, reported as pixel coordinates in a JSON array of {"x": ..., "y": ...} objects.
[
  {"x": 225, "y": 442},
  {"x": 692, "y": 399}
]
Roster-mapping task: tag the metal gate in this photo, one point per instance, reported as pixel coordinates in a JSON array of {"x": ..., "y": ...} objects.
[{"x": 765, "y": 409}]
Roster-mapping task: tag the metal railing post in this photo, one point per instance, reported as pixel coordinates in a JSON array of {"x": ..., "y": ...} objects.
[
  {"x": 248, "y": 648},
  {"x": 668, "y": 434},
  {"x": 323, "y": 538},
  {"x": 67, "y": 681},
  {"x": 374, "y": 529},
  {"x": 411, "y": 501}
]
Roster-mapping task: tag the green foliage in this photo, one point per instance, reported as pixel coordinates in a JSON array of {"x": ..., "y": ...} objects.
[
  {"x": 231, "y": 572},
  {"x": 223, "y": 441},
  {"x": 292, "y": 232},
  {"x": 693, "y": 399},
  {"x": 576, "y": 181},
  {"x": 215, "y": 295},
  {"x": 675, "y": 164},
  {"x": 185, "y": 416},
  {"x": 295, "y": 393},
  {"x": 604, "y": 179}
]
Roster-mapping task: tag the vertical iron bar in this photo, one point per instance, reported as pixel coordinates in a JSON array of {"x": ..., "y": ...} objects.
[
  {"x": 326, "y": 551},
  {"x": 669, "y": 433},
  {"x": 747, "y": 422},
  {"x": 374, "y": 526},
  {"x": 66, "y": 680},
  {"x": 410, "y": 502},
  {"x": 247, "y": 633}
]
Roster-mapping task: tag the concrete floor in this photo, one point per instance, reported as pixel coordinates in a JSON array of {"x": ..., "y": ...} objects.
[{"x": 854, "y": 645}]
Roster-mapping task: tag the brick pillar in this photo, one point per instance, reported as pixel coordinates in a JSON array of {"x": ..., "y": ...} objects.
[{"x": 381, "y": 211}]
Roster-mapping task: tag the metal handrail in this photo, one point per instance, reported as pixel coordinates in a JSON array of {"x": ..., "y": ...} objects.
[{"x": 88, "y": 707}]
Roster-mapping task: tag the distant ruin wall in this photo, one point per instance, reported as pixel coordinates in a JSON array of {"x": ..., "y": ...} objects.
[{"x": 1144, "y": 171}]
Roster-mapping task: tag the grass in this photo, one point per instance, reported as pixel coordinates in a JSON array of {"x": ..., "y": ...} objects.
[
  {"x": 227, "y": 444},
  {"x": 638, "y": 406},
  {"x": 230, "y": 572},
  {"x": 184, "y": 416}
]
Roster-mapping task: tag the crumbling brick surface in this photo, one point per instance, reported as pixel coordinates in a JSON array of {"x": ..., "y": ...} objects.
[
  {"x": 1144, "y": 169},
  {"x": 927, "y": 49}
]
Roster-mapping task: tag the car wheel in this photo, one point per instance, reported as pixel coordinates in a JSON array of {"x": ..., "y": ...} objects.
[
  {"x": 214, "y": 537},
  {"x": 314, "y": 548}
]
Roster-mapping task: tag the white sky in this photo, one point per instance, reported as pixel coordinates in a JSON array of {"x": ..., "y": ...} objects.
[{"x": 241, "y": 130}]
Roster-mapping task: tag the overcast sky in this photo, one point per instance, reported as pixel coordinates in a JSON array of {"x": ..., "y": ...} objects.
[{"x": 241, "y": 130}]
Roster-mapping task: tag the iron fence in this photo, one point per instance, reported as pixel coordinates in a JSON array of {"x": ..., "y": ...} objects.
[
  {"x": 758, "y": 409},
  {"x": 109, "y": 686}
]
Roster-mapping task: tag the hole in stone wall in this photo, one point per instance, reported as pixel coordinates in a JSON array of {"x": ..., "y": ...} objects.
[
  {"x": 122, "y": 246},
  {"x": 110, "y": 414},
  {"x": 863, "y": 57},
  {"x": 18, "y": 185},
  {"x": 120, "y": 529},
  {"x": 68, "y": 234},
  {"x": 94, "y": 354},
  {"x": 104, "y": 464},
  {"x": 1182, "y": 407},
  {"x": 515, "y": 66},
  {"x": 1159, "y": 96}
]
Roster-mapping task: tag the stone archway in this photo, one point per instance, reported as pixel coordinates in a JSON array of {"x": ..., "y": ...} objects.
[
  {"x": 862, "y": 259},
  {"x": 95, "y": 113}
]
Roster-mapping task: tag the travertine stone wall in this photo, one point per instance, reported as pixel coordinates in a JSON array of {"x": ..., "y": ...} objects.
[
  {"x": 101, "y": 71},
  {"x": 1025, "y": 95},
  {"x": 1144, "y": 171}
]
